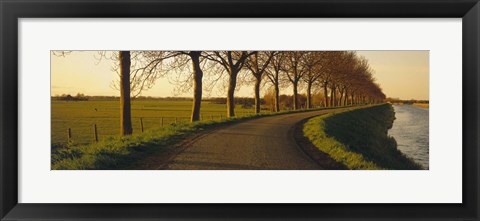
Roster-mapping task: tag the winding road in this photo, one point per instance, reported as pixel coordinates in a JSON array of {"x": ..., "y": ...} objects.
[{"x": 264, "y": 143}]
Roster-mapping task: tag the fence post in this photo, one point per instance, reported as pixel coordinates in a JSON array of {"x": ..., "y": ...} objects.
[
  {"x": 141, "y": 124},
  {"x": 69, "y": 135},
  {"x": 95, "y": 134}
]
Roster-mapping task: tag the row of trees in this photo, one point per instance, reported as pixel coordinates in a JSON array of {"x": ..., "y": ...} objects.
[
  {"x": 344, "y": 77},
  {"x": 68, "y": 97}
]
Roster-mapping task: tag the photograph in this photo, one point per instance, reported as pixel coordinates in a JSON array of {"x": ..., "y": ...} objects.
[
  {"x": 239, "y": 110},
  {"x": 228, "y": 110}
]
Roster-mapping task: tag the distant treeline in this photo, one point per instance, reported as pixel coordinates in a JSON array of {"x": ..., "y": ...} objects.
[
  {"x": 285, "y": 101},
  {"x": 82, "y": 97},
  {"x": 68, "y": 97},
  {"x": 411, "y": 101},
  {"x": 245, "y": 102}
]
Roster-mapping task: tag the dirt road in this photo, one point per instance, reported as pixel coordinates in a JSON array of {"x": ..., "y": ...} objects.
[{"x": 264, "y": 143}]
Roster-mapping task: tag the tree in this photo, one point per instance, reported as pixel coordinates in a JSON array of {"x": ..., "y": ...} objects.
[
  {"x": 355, "y": 77},
  {"x": 194, "y": 79},
  {"x": 345, "y": 69},
  {"x": 125, "y": 108},
  {"x": 313, "y": 70},
  {"x": 138, "y": 71},
  {"x": 123, "y": 59},
  {"x": 232, "y": 62},
  {"x": 257, "y": 64},
  {"x": 335, "y": 69},
  {"x": 269, "y": 98},
  {"x": 146, "y": 68},
  {"x": 273, "y": 74},
  {"x": 328, "y": 74},
  {"x": 197, "y": 85},
  {"x": 295, "y": 71}
]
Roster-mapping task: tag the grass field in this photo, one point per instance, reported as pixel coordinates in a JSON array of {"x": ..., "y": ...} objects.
[
  {"x": 124, "y": 152},
  {"x": 80, "y": 117},
  {"x": 115, "y": 152},
  {"x": 359, "y": 138}
]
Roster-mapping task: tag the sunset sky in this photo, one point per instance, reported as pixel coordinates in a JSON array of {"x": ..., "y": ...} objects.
[{"x": 401, "y": 74}]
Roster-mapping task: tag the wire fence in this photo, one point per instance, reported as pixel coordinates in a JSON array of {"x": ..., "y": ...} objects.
[{"x": 86, "y": 130}]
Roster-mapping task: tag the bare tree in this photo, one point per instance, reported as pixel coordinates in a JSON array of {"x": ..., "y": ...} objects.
[
  {"x": 146, "y": 68},
  {"x": 61, "y": 53},
  {"x": 197, "y": 85},
  {"x": 353, "y": 74},
  {"x": 273, "y": 74},
  {"x": 180, "y": 60},
  {"x": 232, "y": 62},
  {"x": 257, "y": 64},
  {"x": 122, "y": 67},
  {"x": 125, "y": 107},
  {"x": 327, "y": 76},
  {"x": 295, "y": 71},
  {"x": 314, "y": 66},
  {"x": 345, "y": 71},
  {"x": 137, "y": 71}
]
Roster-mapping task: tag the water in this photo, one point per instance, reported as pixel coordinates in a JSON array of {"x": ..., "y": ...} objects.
[{"x": 410, "y": 130}]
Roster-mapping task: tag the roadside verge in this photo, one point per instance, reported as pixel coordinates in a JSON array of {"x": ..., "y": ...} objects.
[{"x": 357, "y": 139}]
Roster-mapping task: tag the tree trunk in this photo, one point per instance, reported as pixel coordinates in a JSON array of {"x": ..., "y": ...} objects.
[
  {"x": 345, "y": 99},
  {"x": 125, "y": 107},
  {"x": 309, "y": 94},
  {"x": 295, "y": 96},
  {"x": 197, "y": 85},
  {"x": 341, "y": 98},
  {"x": 277, "y": 98},
  {"x": 335, "y": 93},
  {"x": 258, "y": 80},
  {"x": 332, "y": 94},
  {"x": 325, "y": 93},
  {"x": 352, "y": 102},
  {"x": 232, "y": 83}
]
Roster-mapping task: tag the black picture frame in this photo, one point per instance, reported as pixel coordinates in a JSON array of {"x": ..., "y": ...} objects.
[{"x": 12, "y": 10}]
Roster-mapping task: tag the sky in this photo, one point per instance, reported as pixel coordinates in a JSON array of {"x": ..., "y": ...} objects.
[{"x": 401, "y": 74}]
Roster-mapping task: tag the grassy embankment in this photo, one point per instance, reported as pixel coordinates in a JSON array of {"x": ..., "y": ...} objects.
[
  {"x": 359, "y": 138},
  {"x": 116, "y": 152}
]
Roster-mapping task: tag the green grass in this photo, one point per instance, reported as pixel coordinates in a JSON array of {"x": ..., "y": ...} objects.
[
  {"x": 359, "y": 138},
  {"x": 122, "y": 152},
  {"x": 115, "y": 152},
  {"x": 80, "y": 116}
]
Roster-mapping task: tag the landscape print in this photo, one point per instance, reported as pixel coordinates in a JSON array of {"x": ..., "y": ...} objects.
[{"x": 239, "y": 110}]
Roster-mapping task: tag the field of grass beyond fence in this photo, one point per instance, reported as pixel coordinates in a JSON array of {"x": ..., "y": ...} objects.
[
  {"x": 359, "y": 138},
  {"x": 81, "y": 116}
]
